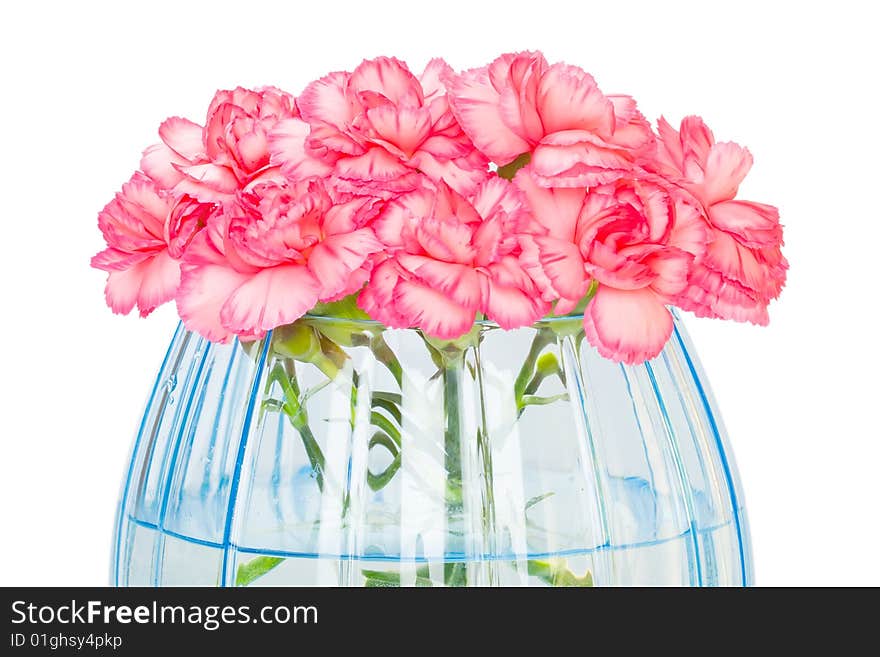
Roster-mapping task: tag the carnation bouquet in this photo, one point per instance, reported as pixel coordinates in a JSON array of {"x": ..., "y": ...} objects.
[{"x": 505, "y": 195}]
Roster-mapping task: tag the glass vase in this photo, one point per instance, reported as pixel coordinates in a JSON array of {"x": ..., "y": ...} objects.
[{"x": 337, "y": 452}]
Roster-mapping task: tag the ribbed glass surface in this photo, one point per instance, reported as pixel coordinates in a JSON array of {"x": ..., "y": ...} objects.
[{"x": 338, "y": 453}]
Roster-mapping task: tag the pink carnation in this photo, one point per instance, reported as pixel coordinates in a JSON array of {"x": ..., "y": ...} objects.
[
  {"x": 229, "y": 153},
  {"x": 449, "y": 257},
  {"x": 576, "y": 135},
  {"x": 375, "y": 129},
  {"x": 268, "y": 257},
  {"x": 142, "y": 269},
  {"x": 744, "y": 268},
  {"x": 635, "y": 239}
]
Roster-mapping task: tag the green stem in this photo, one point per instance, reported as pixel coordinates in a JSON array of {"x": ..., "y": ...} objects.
[
  {"x": 456, "y": 574},
  {"x": 542, "y": 339},
  {"x": 285, "y": 375},
  {"x": 383, "y": 353}
]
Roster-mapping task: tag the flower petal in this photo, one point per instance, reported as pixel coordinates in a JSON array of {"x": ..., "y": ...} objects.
[
  {"x": 377, "y": 298},
  {"x": 160, "y": 163},
  {"x": 375, "y": 166},
  {"x": 568, "y": 99},
  {"x": 208, "y": 183},
  {"x": 754, "y": 224},
  {"x": 203, "y": 291},
  {"x": 726, "y": 166},
  {"x": 760, "y": 270},
  {"x": 696, "y": 140},
  {"x": 461, "y": 174},
  {"x": 631, "y": 128},
  {"x": 556, "y": 209},
  {"x": 512, "y": 307},
  {"x": 389, "y": 77},
  {"x": 405, "y": 128},
  {"x": 270, "y": 298},
  {"x": 184, "y": 137},
  {"x": 576, "y": 158},
  {"x": 287, "y": 148},
  {"x": 476, "y": 105},
  {"x": 564, "y": 266},
  {"x": 111, "y": 259},
  {"x": 432, "y": 78},
  {"x": 669, "y": 150},
  {"x": 148, "y": 284},
  {"x": 432, "y": 311},
  {"x": 629, "y": 326},
  {"x": 459, "y": 282},
  {"x": 327, "y": 101},
  {"x": 333, "y": 260}
]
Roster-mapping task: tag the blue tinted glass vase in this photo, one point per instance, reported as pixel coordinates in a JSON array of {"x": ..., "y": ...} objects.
[{"x": 338, "y": 452}]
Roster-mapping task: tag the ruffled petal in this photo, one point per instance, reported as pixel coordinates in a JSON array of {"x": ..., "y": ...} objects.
[
  {"x": 327, "y": 101},
  {"x": 512, "y": 307},
  {"x": 461, "y": 174},
  {"x": 726, "y": 166},
  {"x": 760, "y": 270},
  {"x": 376, "y": 166},
  {"x": 578, "y": 159},
  {"x": 287, "y": 148},
  {"x": 147, "y": 284},
  {"x": 556, "y": 209},
  {"x": 629, "y": 326},
  {"x": 461, "y": 283},
  {"x": 396, "y": 222},
  {"x": 530, "y": 259},
  {"x": 563, "y": 265},
  {"x": 671, "y": 268},
  {"x": 669, "y": 150},
  {"x": 712, "y": 294},
  {"x": 271, "y": 297},
  {"x": 184, "y": 137},
  {"x": 519, "y": 97},
  {"x": 696, "y": 141},
  {"x": 160, "y": 278},
  {"x": 111, "y": 259},
  {"x": 203, "y": 291},
  {"x": 389, "y": 77},
  {"x": 209, "y": 183},
  {"x": 405, "y": 128},
  {"x": 690, "y": 232},
  {"x": 631, "y": 129},
  {"x": 160, "y": 163},
  {"x": 568, "y": 99},
  {"x": 377, "y": 298},
  {"x": 432, "y": 78},
  {"x": 475, "y": 103},
  {"x": 754, "y": 224},
  {"x": 333, "y": 260},
  {"x": 432, "y": 311}
]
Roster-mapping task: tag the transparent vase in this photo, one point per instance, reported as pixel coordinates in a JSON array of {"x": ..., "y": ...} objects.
[{"x": 337, "y": 452}]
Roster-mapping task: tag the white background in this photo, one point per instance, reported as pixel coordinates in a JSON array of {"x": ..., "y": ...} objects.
[{"x": 84, "y": 87}]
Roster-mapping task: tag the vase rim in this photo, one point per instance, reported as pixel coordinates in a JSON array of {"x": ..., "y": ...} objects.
[{"x": 485, "y": 323}]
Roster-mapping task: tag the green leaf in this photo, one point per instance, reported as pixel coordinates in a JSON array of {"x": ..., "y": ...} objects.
[
  {"x": 255, "y": 568},
  {"x": 508, "y": 171},
  {"x": 382, "y": 579},
  {"x": 381, "y": 422},
  {"x": 455, "y": 574},
  {"x": 390, "y": 403},
  {"x": 535, "y": 400},
  {"x": 538, "y": 498},
  {"x": 380, "y": 438},
  {"x": 555, "y": 573},
  {"x": 377, "y": 482},
  {"x": 345, "y": 308}
]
